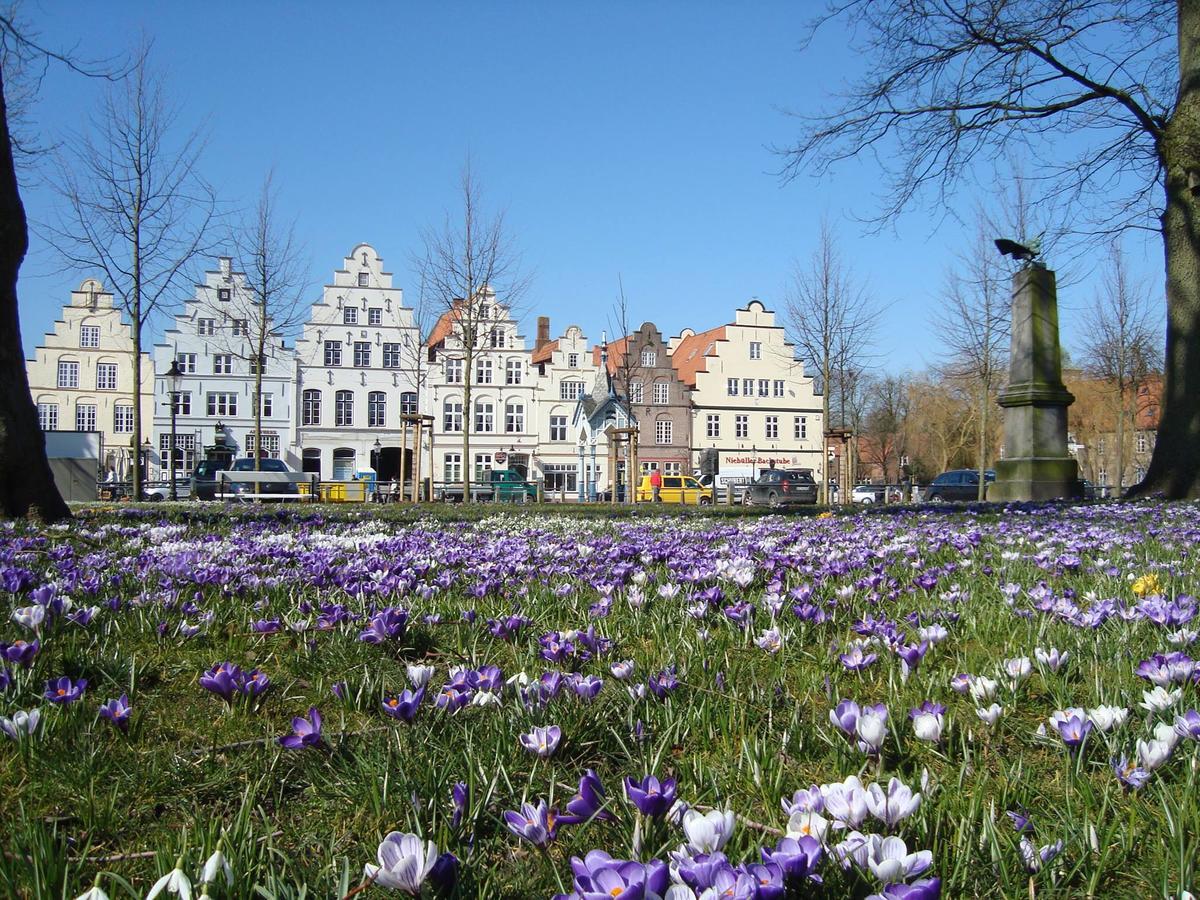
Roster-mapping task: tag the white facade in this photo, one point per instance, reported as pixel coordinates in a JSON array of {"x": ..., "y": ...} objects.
[
  {"x": 357, "y": 364},
  {"x": 568, "y": 461},
  {"x": 81, "y": 377},
  {"x": 211, "y": 340},
  {"x": 502, "y": 418},
  {"x": 751, "y": 400}
]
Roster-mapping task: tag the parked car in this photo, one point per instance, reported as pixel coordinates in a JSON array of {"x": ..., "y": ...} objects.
[
  {"x": 161, "y": 490},
  {"x": 204, "y": 479},
  {"x": 957, "y": 485},
  {"x": 229, "y": 486},
  {"x": 676, "y": 489},
  {"x": 782, "y": 487},
  {"x": 501, "y": 485},
  {"x": 733, "y": 483},
  {"x": 868, "y": 494}
]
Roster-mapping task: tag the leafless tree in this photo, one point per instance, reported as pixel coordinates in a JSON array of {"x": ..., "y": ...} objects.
[
  {"x": 627, "y": 366},
  {"x": 271, "y": 304},
  {"x": 469, "y": 264},
  {"x": 1120, "y": 347},
  {"x": 885, "y": 424},
  {"x": 26, "y": 482},
  {"x": 1105, "y": 93},
  {"x": 974, "y": 325},
  {"x": 832, "y": 321},
  {"x": 135, "y": 207}
]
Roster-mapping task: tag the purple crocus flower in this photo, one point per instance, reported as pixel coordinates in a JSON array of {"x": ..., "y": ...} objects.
[
  {"x": 63, "y": 690},
  {"x": 588, "y": 687},
  {"x": 767, "y": 880},
  {"x": 253, "y": 683},
  {"x": 855, "y": 660},
  {"x": 117, "y": 712},
  {"x": 444, "y": 874},
  {"x": 338, "y": 689},
  {"x": 845, "y": 716},
  {"x": 662, "y": 683},
  {"x": 6, "y": 679},
  {"x": 22, "y": 652},
  {"x": 451, "y": 698},
  {"x": 222, "y": 679},
  {"x": 651, "y": 797},
  {"x": 923, "y": 889},
  {"x": 700, "y": 872},
  {"x": 600, "y": 877},
  {"x": 460, "y": 795},
  {"x": 797, "y": 857},
  {"x": 1188, "y": 725},
  {"x": 804, "y": 801},
  {"x": 388, "y": 624},
  {"x": 588, "y": 803},
  {"x": 1130, "y": 774},
  {"x": 1034, "y": 857},
  {"x": 542, "y": 741},
  {"x": 1020, "y": 821},
  {"x": 404, "y": 706},
  {"x": 535, "y": 823},
  {"x": 1074, "y": 730},
  {"x": 306, "y": 732}
]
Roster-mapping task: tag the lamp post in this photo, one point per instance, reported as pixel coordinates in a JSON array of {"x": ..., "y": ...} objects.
[
  {"x": 376, "y": 449},
  {"x": 141, "y": 493},
  {"x": 173, "y": 376}
]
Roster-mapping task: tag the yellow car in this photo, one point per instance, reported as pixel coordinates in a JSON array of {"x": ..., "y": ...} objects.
[{"x": 676, "y": 489}]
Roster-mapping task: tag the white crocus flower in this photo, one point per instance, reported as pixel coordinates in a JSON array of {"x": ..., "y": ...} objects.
[
  {"x": 982, "y": 689},
  {"x": 30, "y": 617},
  {"x": 1160, "y": 699},
  {"x": 404, "y": 862},
  {"x": 808, "y": 823},
  {"x": 419, "y": 675},
  {"x": 990, "y": 715},
  {"x": 1106, "y": 718},
  {"x": 708, "y": 832}
]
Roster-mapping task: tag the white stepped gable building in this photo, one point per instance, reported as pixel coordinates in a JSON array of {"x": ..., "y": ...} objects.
[
  {"x": 566, "y": 460},
  {"x": 502, "y": 418},
  {"x": 81, "y": 377},
  {"x": 751, "y": 400},
  {"x": 357, "y": 366},
  {"x": 211, "y": 340}
]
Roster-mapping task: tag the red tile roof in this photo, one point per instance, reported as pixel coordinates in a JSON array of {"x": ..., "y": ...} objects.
[
  {"x": 616, "y": 353},
  {"x": 689, "y": 356},
  {"x": 543, "y": 353}
]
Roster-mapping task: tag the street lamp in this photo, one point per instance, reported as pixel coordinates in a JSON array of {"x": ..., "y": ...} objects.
[
  {"x": 145, "y": 468},
  {"x": 173, "y": 376}
]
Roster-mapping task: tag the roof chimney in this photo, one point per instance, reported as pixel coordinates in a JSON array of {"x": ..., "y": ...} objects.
[{"x": 543, "y": 332}]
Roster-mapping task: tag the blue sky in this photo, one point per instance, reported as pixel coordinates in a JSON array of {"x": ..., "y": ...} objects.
[{"x": 625, "y": 140}]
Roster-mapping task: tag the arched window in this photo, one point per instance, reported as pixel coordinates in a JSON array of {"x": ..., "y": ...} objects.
[
  {"x": 343, "y": 408},
  {"x": 343, "y": 462},
  {"x": 514, "y": 417},
  {"x": 311, "y": 408},
  {"x": 485, "y": 416},
  {"x": 452, "y": 414},
  {"x": 376, "y": 409}
]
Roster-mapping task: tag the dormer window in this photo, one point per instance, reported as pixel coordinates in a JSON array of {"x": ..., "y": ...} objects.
[
  {"x": 350, "y": 315},
  {"x": 362, "y": 279},
  {"x": 572, "y": 360},
  {"x": 223, "y": 294}
]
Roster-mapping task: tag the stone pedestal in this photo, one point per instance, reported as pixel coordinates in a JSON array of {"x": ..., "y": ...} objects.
[{"x": 1036, "y": 465}]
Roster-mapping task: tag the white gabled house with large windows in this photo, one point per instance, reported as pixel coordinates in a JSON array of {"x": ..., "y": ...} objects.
[
  {"x": 566, "y": 461},
  {"x": 357, "y": 365},
  {"x": 210, "y": 340}
]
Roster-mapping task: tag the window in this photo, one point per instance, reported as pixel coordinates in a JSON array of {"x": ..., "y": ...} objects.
[
  {"x": 206, "y": 327},
  {"x": 48, "y": 416},
  {"x": 570, "y": 390},
  {"x": 222, "y": 364},
  {"x": 747, "y": 387},
  {"x": 391, "y": 356},
  {"x": 408, "y": 403},
  {"x": 778, "y": 387},
  {"x": 241, "y": 327},
  {"x": 483, "y": 371},
  {"x": 572, "y": 360},
  {"x": 270, "y": 445},
  {"x": 68, "y": 374},
  {"x": 185, "y": 451},
  {"x": 106, "y": 379},
  {"x": 376, "y": 409},
  {"x": 454, "y": 371},
  {"x": 350, "y": 315},
  {"x": 362, "y": 279},
  {"x": 514, "y": 417},
  {"x": 186, "y": 363},
  {"x": 183, "y": 404},
  {"x": 561, "y": 478},
  {"x": 1141, "y": 444},
  {"x": 310, "y": 408},
  {"x": 512, "y": 371},
  {"x": 375, "y": 315},
  {"x": 452, "y": 467},
  {"x": 268, "y": 405},
  {"x": 637, "y": 392},
  {"x": 1102, "y": 476},
  {"x": 496, "y": 336},
  {"x": 222, "y": 404},
  {"x": 85, "y": 417},
  {"x": 558, "y": 428},
  {"x": 485, "y": 416},
  {"x": 764, "y": 387},
  {"x": 662, "y": 431},
  {"x": 333, "y": 353},
  {"x": 772, "y": 428},
  {"x": 258, "y": 365},
  {"x": 712, "y": 426},
  {"x": 662, "y": 392},
  {"x": 731, "y": 386},
  {"x": 362, "y": 354},
  {"x": 756, "y": 350},
  {"x": 800, "y": 428},
  {"x": 741, "y": 426},
  {"x": 1100, "y": 445},
  {"x": 343, "y": 408},
  {"x": 649, "y": 358},
  {"x": 483, "y": 465},
  {"x": 89, "y": 336},
  {"x": 452, "y": 415}
]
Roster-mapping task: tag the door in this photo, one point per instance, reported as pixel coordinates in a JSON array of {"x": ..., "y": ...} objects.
[{"x": 672, "y": 489}]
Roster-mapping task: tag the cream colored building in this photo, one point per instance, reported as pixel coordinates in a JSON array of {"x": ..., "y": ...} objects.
[
  {"x": 751, "y": 400},
  {"x": 568, "y": 464},
  {"x": 81, "y": 376}
]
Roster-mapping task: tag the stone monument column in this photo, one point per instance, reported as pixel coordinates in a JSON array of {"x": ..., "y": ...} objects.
[{"x": 1036, "y": 465}]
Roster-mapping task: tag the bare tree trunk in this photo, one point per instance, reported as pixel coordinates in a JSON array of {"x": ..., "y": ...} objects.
[
  {"x": 985, "y": 397},
  {"x": 26, "y": 483},
  {"x": 468, "y": 369}
]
